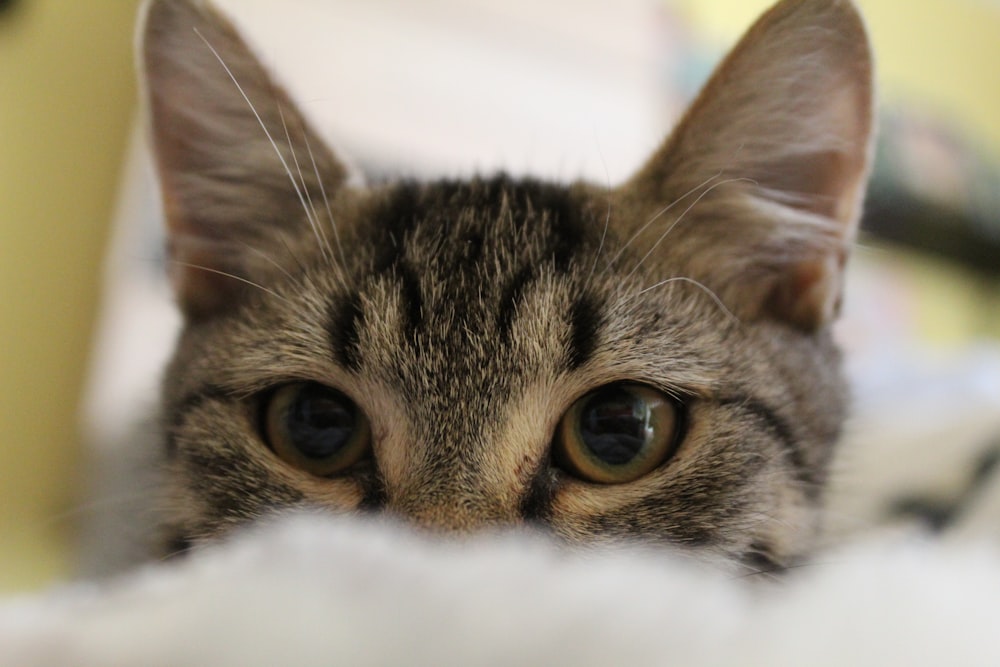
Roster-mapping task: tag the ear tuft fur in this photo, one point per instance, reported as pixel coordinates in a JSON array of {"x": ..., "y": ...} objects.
[
  {"x": 780, "y": 143},
  {"x": 234, "y": 155}
]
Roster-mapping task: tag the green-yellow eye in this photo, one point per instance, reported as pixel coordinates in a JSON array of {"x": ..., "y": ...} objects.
[
  {"x": 617, "y": 434},
  {"x": 315, "y": 428}
]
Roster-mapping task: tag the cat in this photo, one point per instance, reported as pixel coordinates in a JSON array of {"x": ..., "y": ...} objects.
[{"x": 648, "y": 362}]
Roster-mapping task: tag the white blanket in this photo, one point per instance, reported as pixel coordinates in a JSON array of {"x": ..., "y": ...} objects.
[{"x": 317, "y": 591}]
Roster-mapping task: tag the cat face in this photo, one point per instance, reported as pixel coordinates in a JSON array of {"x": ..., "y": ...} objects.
[{"x": 651, "y": 361}]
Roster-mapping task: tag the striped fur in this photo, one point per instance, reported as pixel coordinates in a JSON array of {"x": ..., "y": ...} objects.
[{"x": 464, "y": 318}]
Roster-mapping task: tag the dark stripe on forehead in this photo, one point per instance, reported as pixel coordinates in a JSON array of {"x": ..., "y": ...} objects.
[
  {"x": 346, "y": 319},
  {"x": 567, "y": 231},
  {"x": 584, "y": 319},
  {"x": 511, "y": 298},
  {"x": 398, "y": 215},
  {"x": 494, "y": 236},
  {"x": 444, "y": 202},
  {"x": 413, "y": 303},
  {"x": 769, "y": 417}
]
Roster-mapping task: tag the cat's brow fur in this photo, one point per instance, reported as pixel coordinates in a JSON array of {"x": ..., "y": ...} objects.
[{"x": 465, "y": 318}]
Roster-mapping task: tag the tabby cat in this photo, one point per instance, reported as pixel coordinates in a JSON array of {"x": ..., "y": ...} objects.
[{"x": 651, "y": 361}]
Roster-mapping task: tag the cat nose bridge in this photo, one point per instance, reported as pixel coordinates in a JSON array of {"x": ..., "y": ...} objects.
[
  {"x": 446, "y": 518},
  {"x": 453, "y": 508},
  {"x": 455, "y": 477}
]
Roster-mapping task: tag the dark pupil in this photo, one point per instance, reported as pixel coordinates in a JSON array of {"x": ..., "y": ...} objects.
[
  {"x": 320, "y": 423},
  {"x": 615, "y": 425}
]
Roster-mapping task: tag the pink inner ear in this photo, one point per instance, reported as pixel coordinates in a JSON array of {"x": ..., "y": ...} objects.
[
  {"x": 824, "y": 183},
  {"x": 788, "y": 114},
  {"x": 830, "y": 175},
  {"x": 809, "y": 293}
]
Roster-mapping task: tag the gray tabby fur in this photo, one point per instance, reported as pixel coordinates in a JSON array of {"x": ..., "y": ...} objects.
[{"x": 464, "y": 318}]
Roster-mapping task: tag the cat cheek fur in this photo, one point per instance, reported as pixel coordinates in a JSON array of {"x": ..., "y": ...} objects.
[{"x": 464, "y": 318}]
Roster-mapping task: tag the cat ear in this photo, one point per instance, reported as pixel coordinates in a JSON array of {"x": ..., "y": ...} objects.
[
  {"x": 776, "y": 152},
  {"x": 237, "y": 163}
]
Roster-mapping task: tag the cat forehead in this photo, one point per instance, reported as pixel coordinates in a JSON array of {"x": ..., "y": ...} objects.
[
  {"x": 465, "y": 251},
  {"x": 466, "y": 279},
  {"x": 515, "y": 216},
  {"x": 454, "y": 269}
]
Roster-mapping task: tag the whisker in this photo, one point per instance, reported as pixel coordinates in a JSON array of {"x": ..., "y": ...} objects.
[
  {"x": 669, "y": 206},
  {"x": 321, "y": 240},
  {"x": 260, "y": 120},
  {"x": 326, "y": 201},
  {"x": 691, "y": 281},
  {"x": 773, "y": 572},
  {"x": 607, "y": 218},
  {"x": 267, "y": 258},
  {"x": 174, "y": 553},
  {"x": 230, "y": 275},
  {"x": 656, "y": 217},
  {"x": 681, "y": 217},
  {"x": 295, "y": 258}
]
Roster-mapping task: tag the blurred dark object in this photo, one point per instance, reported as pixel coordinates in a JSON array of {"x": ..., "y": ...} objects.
[
  {"x": 6, "y": 5},
  {"x": 932, "y": 190}
]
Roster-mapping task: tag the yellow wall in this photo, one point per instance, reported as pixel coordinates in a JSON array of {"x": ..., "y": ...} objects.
[
  {"x": 66, "y": 96},
  {"x": 945, "y": 52}
]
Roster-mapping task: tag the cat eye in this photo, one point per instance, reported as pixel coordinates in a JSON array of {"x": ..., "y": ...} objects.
[
  {"x": 617, "y": 434},
  {"x": 315, "y": 428}
]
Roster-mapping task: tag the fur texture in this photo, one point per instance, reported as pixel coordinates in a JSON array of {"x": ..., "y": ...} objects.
[
  {"x": 315, "y": 591},
  {"x": 465, "y": 318}
]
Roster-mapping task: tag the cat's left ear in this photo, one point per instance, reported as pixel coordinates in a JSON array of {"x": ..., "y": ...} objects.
[
  {"x": 776, "y": 151},
  {"x": 238, "y": 163}
]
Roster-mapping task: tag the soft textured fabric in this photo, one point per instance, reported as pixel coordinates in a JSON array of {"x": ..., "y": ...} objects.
[{"x": 316, "y": 591}]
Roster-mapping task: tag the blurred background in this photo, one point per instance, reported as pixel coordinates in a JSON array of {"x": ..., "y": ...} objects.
[{"x": 560, "y": 89}]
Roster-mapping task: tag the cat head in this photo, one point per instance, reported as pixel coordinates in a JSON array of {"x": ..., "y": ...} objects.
[{"x": 649, "y": 361}]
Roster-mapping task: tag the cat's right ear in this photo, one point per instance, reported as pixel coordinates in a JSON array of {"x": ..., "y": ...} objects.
[
  {"x": 769, "y": 166},
  {"x": 237, "y": 162}
]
